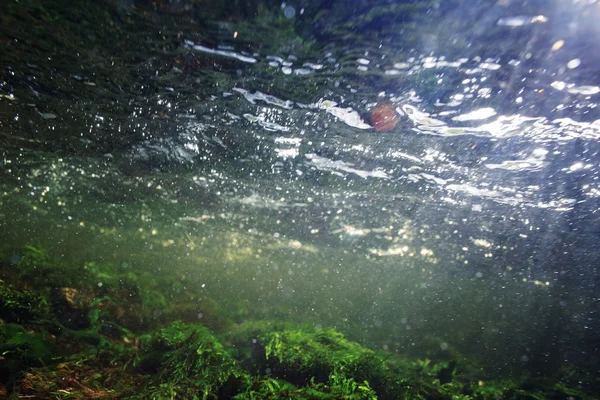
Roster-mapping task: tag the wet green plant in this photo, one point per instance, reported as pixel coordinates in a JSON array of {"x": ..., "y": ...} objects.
[
  {"x": 325, "y": 356},
  {"x": 261, "y": 359},
  {"x": 338, "y": 387},
  {"x": 42, "y": 272},
  {"x": 103, "y": 333},
  {"x": 21, "y": 349},
  {"x": 347, "y": 388},
  {"x": 22, "y": 305},
  {"x": 30, "y": 346},
  {"x": 268, "y": 388},
  {"x": 488, "y": 390},
  {"x": 190, "y": 363}
]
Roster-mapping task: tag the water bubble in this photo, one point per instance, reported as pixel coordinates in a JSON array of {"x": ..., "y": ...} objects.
[
  {"x": 444, "y": 346},
  {"x": 289, "y": 12},
  {"x": 200, "y": 315},
  {"x": 574, "y": 63},
  {"x": 479, "y": 275},
  {"x": 267, "y": 370},
  {"x": 14, "y": 259},
  {"x": 277, "y": 167},
  {"x": 576, "y": 167}
]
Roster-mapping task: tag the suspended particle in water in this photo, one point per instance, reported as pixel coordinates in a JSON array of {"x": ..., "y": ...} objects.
[
  {"x": 289, "y": 12},
  {"x": 574, "y": 63},
  {"x": 557, "y": 45}
]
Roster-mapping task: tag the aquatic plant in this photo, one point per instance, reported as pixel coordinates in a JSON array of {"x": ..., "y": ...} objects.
[
  {"x": 40, "y": 271},
  {"x": 260, "y": 359},
  {"x": 324, "y": 356},
  {"x": 268, "y": 388},
  {"x": 81, "y": 378},
  {"x": 21, "y": 349},
  {"x": 338, "y": 387},
  {"x": 22, "y": 305},
  {"x": 190, "y": 363}
]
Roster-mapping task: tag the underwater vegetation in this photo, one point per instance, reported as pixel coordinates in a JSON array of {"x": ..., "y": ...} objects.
[{"x": 102, "y": 352}]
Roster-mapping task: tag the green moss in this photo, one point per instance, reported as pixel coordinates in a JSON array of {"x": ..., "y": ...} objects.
[
  {"x": 130, "y": 300},
  {"x": 344, "y": 387},
  {"x": 191, "y": 363},
  {"x": 488, "y": 390},
  {"x": 103, "y": 333},
  {"x": 17, "y": 342},
  {"x": 338, "y": 387},
  {"x": 325, "y": 356},
  {"x": 264, "y": 359},
  {"x": 268, "y": 388},
  {"x": 22, "y": 305}
]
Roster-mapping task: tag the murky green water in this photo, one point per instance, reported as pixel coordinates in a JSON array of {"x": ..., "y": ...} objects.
[{"x": 222, "y": 162}]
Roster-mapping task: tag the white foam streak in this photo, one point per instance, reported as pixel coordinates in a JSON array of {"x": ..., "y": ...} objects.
[
  {"x": 326, "y": 164},
  {"x": 225, "y": 53},
  {"x": 267, "y": 98},
  {"x": 346, "y": 115}
]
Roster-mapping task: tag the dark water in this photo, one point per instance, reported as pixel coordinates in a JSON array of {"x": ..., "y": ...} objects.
[{"x": 232, "y": 145}]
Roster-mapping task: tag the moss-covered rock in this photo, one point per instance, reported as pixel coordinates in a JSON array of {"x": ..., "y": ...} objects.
[
  {"x": 299, "y": 356},
  {"x": 189, "y": 363}
]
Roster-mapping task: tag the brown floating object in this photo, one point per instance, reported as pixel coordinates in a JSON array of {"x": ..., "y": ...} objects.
[{"x": 384, "y": 118}]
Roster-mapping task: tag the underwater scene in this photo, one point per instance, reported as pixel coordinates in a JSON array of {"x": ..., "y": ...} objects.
[{"x": 309, "y": 199}]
